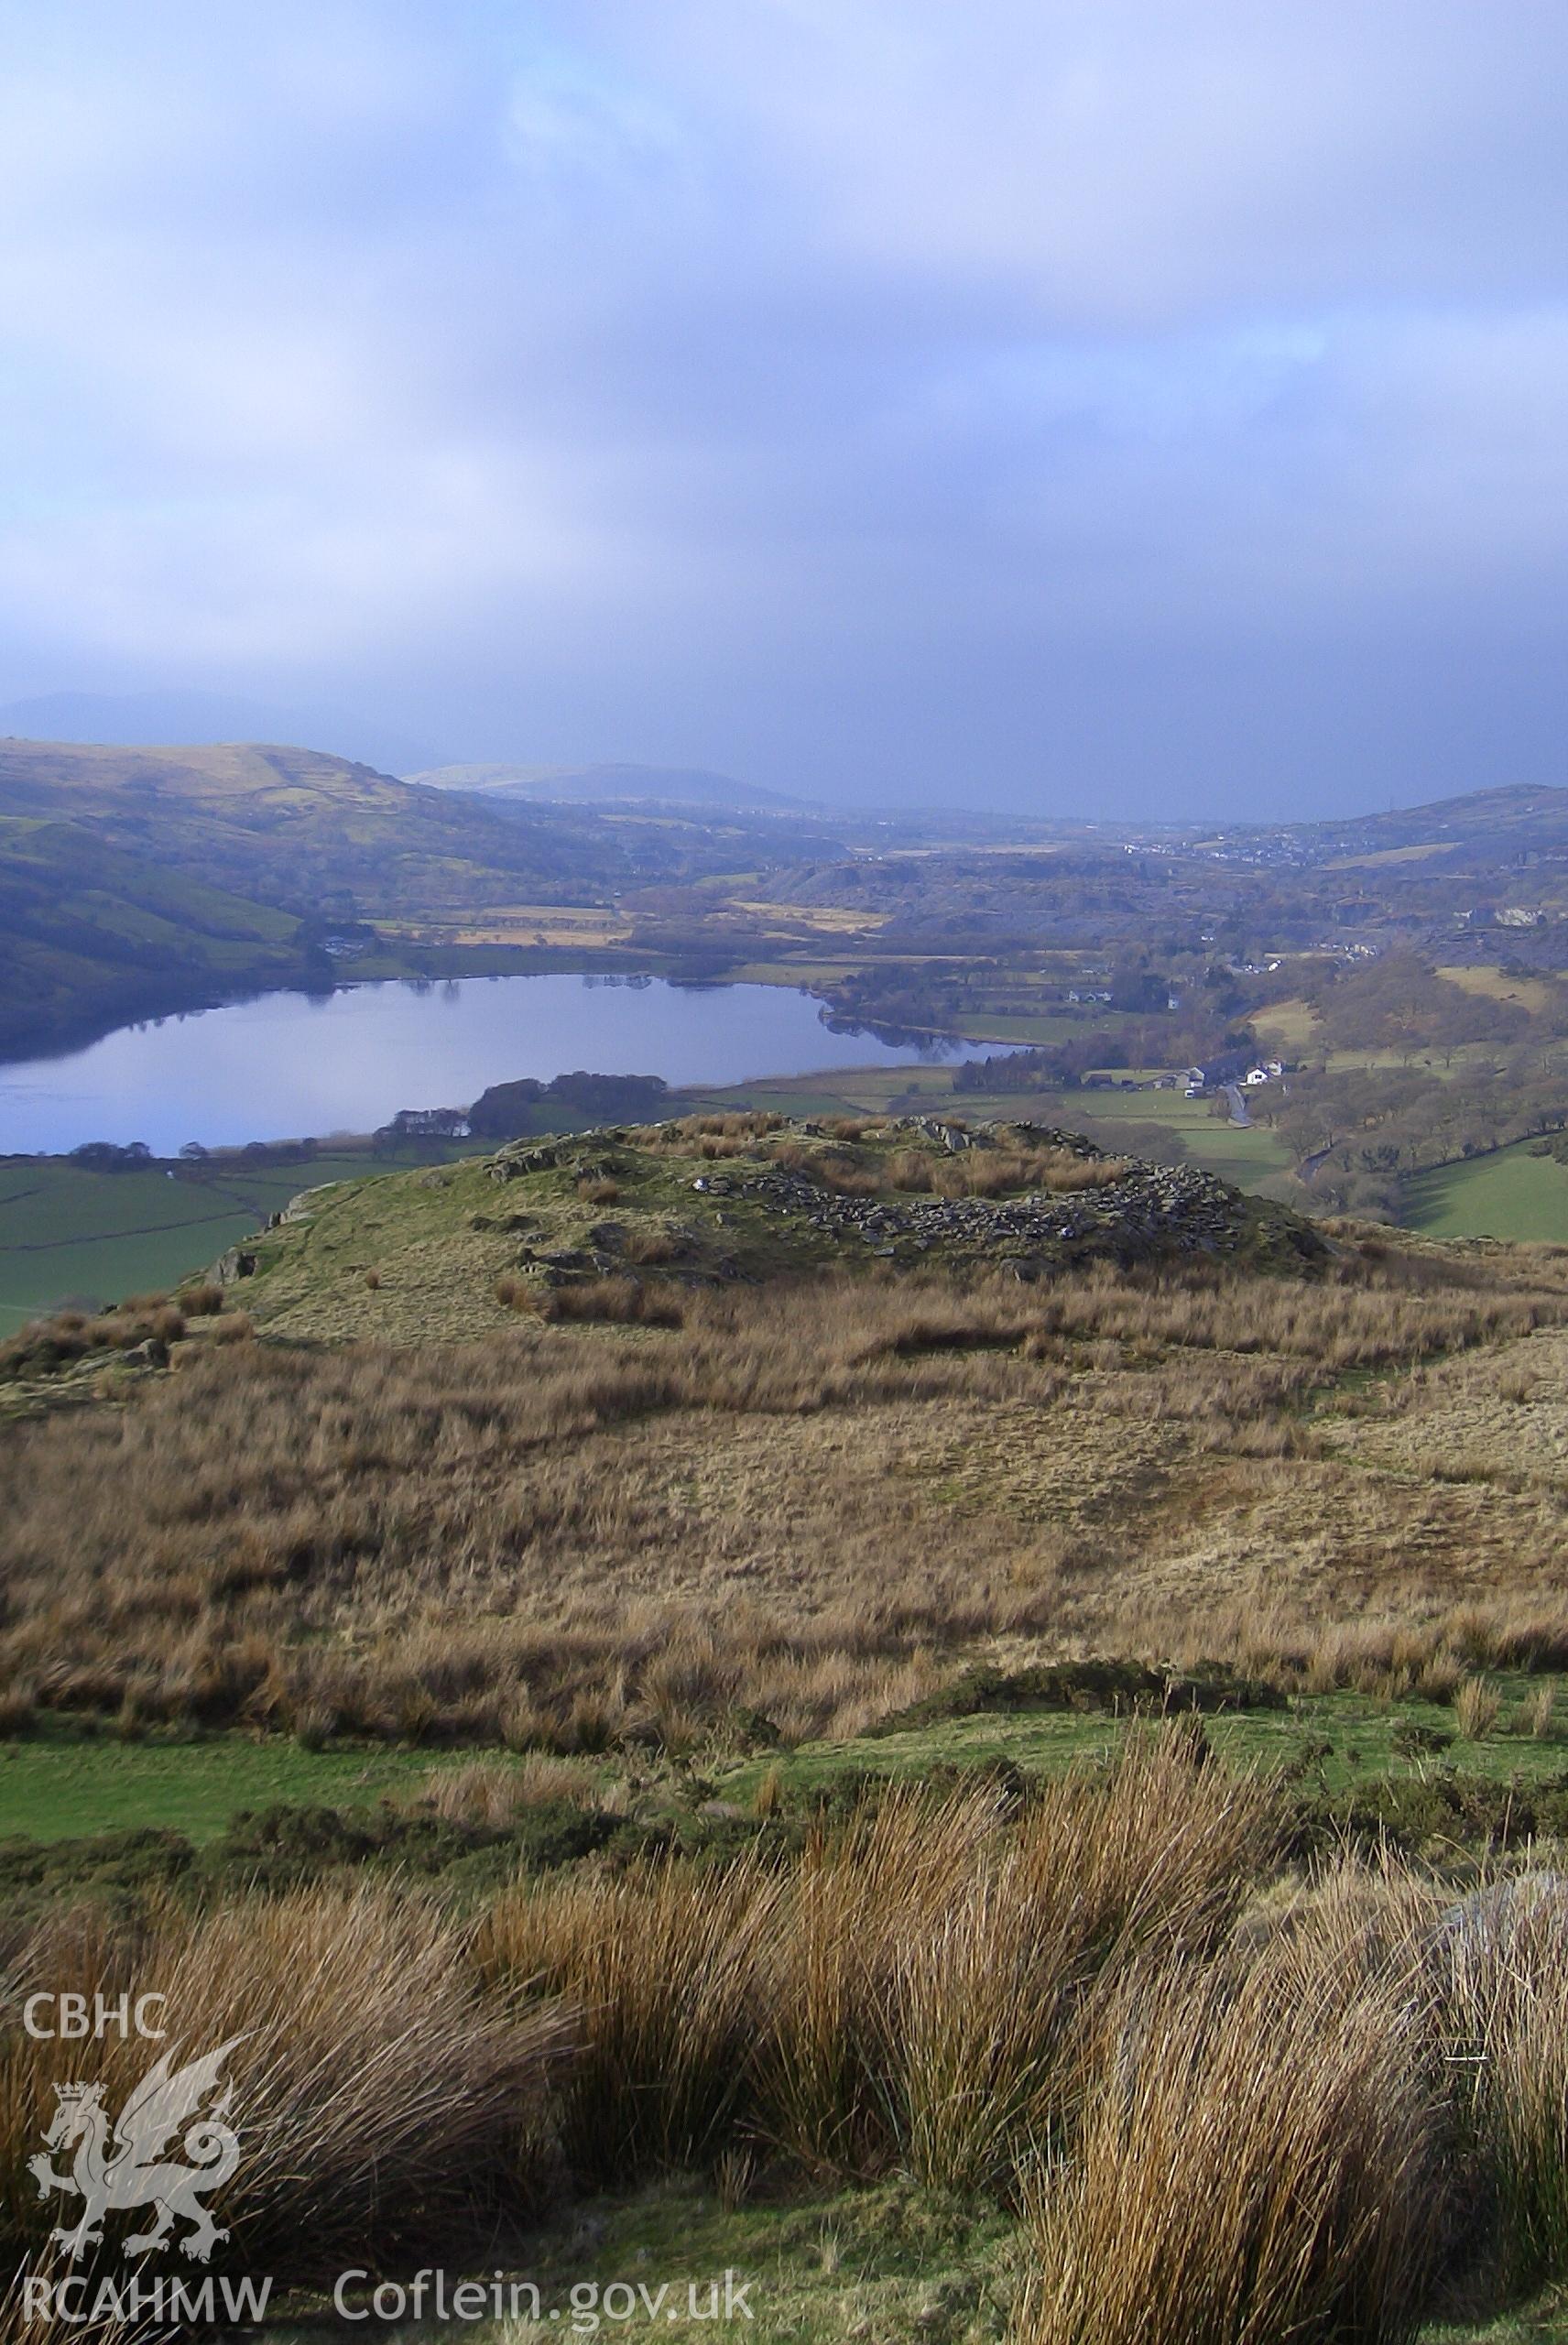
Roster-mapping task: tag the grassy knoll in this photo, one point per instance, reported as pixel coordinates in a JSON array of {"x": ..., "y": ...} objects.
[
  {"x": 1509, "y": 1193},
  {"x": 715, "y": 1199},
  {"x": 720, "y": 1482}
]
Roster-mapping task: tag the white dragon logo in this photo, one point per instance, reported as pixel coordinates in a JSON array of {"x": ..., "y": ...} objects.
[{"x": 132, "y": 2176}]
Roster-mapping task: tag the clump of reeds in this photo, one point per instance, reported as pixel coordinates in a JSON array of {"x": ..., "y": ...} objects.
[
  {"x": 900, "y": 1993},
  {"x": 495, "y": 1791},
  {"x": 1476, "y": 1708},
  {"x": 1503, "y": 1961},
  {"x": 379, "y": 2099},
  {"x": 1256, "y": 2157},
  {"x": 659, "y": 1971}
]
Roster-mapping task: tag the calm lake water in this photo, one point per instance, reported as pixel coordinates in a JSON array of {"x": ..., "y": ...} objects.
[{"x": 288, "y": 1066}]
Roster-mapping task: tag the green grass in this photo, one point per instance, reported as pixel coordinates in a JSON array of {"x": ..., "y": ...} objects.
[
  {"x": 1545, "y": 2322},
  {"x": 69, "y": 1234},
  {"x": 1360, "y": 1734},
  {"x": 880, "y": 2264},
  {"x": 889, "y": 2264},
  {"x": 1510, "y": 1193},
  {"x": 59, "y": 1785}
]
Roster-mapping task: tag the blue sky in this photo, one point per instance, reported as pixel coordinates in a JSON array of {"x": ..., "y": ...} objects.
[{"x": 1145, "y": 405}]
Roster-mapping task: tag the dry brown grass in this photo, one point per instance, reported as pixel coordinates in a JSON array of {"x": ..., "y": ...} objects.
[
  {"x": 1476, "y": 1708},
  {"x": 973, "y": 1172},
  {"x": 809, "y": 1502},
  {"x": 900, "y": 1993},
  {"x": 494, "y": 1790},
  {"x": 715, "y": 1135},
  {"x": 1237, "y": 2104},
  {"x": 1255, "y": 2159},
  {"x": 382, "y": 2100}
]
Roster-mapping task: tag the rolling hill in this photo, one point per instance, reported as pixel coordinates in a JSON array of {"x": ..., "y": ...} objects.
[
  {"x": 146, "y": 720},
  {"x": 134, "y": 882},
  {"x": 296, "y": 827},
  {"x": 1482, "y": 828}
]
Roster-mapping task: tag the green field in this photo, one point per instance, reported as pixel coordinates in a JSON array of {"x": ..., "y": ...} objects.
[
  {"x": 1339, "y": 1740},
  {"x": 1509, "y": 1193},
  {"x": 64, "y": 1788},
  {"x": 61, "y": 1783},
  {"x": 70, "y": 1236}
]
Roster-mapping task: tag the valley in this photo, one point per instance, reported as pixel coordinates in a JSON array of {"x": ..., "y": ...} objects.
[{"x": 704, "y": 1604}]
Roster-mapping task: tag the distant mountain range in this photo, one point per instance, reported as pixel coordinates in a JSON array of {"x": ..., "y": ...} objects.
[
  {"x": 619, "y": 785},
  {"x": 163, "y": 720}
]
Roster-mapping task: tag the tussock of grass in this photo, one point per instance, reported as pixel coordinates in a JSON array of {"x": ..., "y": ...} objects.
[
  {"x": 901, "y": 1994},
  {"x": 1256, "y": 2160},
  {"x": 382, "y": 2101},
  {"x": 1233, "y": 2104}
]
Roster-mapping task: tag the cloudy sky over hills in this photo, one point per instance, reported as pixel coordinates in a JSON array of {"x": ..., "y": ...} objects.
[{"x": 1157, "y": 406}]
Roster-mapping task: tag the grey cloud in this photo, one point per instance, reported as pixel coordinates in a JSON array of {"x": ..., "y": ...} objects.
[{"x": 1146, "y": 397}]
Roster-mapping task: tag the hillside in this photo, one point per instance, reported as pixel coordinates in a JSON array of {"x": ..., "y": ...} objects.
[
  {"x": 91, "y": 936},
  {"x": 730, "y": 1432},
  {"x": 140, "y": 881},
  {"x": 1479, "y": 829},
  {"x": 295, "y": 826},
  {"x": 919, "y": 1631},
  {"x": 148, "y": 719}
]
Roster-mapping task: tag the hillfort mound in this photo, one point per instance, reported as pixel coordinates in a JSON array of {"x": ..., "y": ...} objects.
[{"x": 622, "y": 1222}]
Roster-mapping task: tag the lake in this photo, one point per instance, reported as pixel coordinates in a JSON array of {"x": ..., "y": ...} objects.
[{"x": 290, "y": 1066}]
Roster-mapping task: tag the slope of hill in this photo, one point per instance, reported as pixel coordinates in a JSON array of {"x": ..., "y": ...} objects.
[
  {"x": 293, "y": 825},
  {"x": 1482, "y": 827},
  {"x": 146, "y": 720},
  {"x": 138, "y": 881},
  {"x": 91, "y": 936},
  {"x": 612, "y": 785}
]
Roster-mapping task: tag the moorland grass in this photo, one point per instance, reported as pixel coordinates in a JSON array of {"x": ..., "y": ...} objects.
[
  {"x": 1232, "y": 2100},
  {"x": 574, "y": 1537}
]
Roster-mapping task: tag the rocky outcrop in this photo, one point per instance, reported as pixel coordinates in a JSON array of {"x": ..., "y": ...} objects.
[
  {"x": 803, "y": 1192},
  {"x": 1153, "y": 1209}
]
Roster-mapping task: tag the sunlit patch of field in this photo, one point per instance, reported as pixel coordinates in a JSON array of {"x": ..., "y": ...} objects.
[
  {"x": 827, "y": 919},
  {"x": 1418, "y": 853},
  {"x": 68, "y": 1232},
  {"x": 1510, "y": 1193},
  {"x": 1531, "y": 993},
  {"x": 1293, "y": 1024},
  {"x": 516, "y": 924}
]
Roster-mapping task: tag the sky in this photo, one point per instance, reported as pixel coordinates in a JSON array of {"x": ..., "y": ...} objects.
[{"x": 1143, "y": 407}]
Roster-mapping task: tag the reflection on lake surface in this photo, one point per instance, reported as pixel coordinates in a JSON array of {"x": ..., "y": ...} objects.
[{"x": 290, "y": 1066}]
